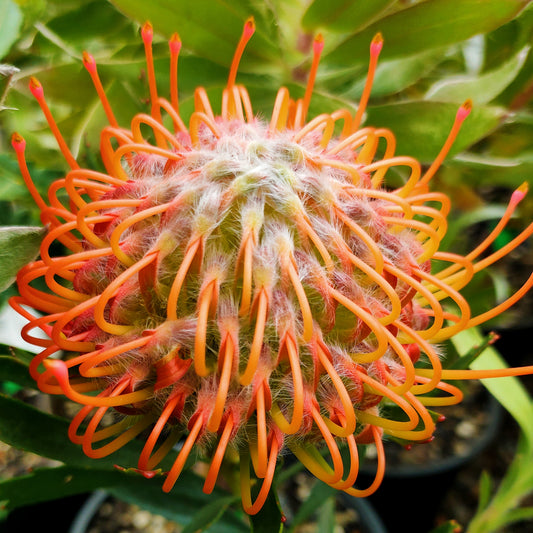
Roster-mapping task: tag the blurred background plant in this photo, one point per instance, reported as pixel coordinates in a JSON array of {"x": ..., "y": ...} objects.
[{"x": 437, "y": 53}]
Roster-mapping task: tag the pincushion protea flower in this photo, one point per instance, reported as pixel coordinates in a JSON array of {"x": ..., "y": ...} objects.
[{"x": 249, "y": 285}]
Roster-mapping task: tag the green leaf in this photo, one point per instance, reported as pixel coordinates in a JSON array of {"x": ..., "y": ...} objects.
[
  {"x": 484, "y": 169},
  {"x": 95, "y": 23},
  {"x": 12, "y": 186},
  {"x": 210, "y": 29},
  {"x": 474, "y": 352},
  {"x": 20, "y": 423},
  {"x": 12, "y": 369},
  {"x": 517, "y": 515},
  {"x": 343, "y": 15},
  {"x": 501, "y": 283},
  {"x": 270, "y": 518},
  {"x": 428, "y": 25},
  {"x": 481, "y": 89},
  {"x": 18, "y": 246},
  {"x": 209, "y": 514},
  {"x": 514, "y": 487},
  {"x": 51, "y": 483},
  {"x": 32, "y": 10},
  {"x": 180, "y": 503},
  {"x": 461, "y": 222},
  {"x": 452, "y": 526},
  {"x": 10, "y": 22},
  {"x": 509, "y": 391},
  {"x": 396, "y": 75},
  {"x": 421, "y": 127},
  {"x": 326, "y": 518},
  {"x": 485, "y": 491},
  {"x": 318, "y": 496}
]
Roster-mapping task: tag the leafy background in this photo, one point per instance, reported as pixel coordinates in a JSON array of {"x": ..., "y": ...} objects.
[{"x": 437, "y": 53}]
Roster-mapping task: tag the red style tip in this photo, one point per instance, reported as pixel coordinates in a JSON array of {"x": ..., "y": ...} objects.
[
  {"x": 376, "y": 44},
  {"x": 441, "y": 418},
  {"x": 464, "y": 110},
  {"x": 149, "y": 474},
  {"x": 18, "y": 142},
  {"x": 88, "y": 62},
  {"x": 147, "y": 32},
  {"x": 318, "y": 44},
  {"x": 174, "y": 44},
  {"x": 493, "y": 335},
  {"x": 519, "y": 194},
  {"x": 36, "y": 88},
  {"x": 249, "y": 28},
  {"x": 60, "y": 371}
]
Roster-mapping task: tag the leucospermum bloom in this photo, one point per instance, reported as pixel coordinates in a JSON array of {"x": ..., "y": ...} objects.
[{"x": 249, "y": 285}]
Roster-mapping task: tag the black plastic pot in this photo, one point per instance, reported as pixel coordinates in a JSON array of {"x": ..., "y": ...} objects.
[
  {"x": 411, "y": 495},
  {"x": 370, "y": 520},
  {"x": 88, "y": 510},
  {"x": 53, "y": 515}
]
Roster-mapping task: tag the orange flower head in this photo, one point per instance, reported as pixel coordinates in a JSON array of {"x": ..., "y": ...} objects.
[{"x": 248, "y": 285}]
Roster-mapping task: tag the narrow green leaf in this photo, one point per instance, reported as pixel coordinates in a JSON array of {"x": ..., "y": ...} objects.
[
  {"x": 509, "y": 391},
  {"x": 269, "y": 519},
  {"x": 485, "y": 491},
  {"x": 318, "y": 496},
  {"x": 20, "y": 423},
  {"x": 32, "y": 10},
  {"x": 209, "y": 514},
  {"x": 466, "y": 220},
  {"x": 508, "y": 172},
  {"x": 211, "y": 29},
  {"x": 13, "y": 188},
  {"x": 396, "y": 75},
  {"x": 514, "y": 486},
  {"x": 10, "y": 22},
  {"x": 12, "y": 369},
  {"x": 51, "y": 483},
  {"x": 421, "y": 127},
  {"x": 96, "y": 22},
  {"x": 474, "y": 352},
  {"x": 500, "y": 281},
  {"x": 11, "y": 185},
  {"x": 517, "y": 515},
  {"x": 18, "y": 246},
  {"x": 343, "y": 15},
  {"x": 452, "y": 526},
  {"x": 427, "y": 25},
  {"x": 326, "y": 518},
  {"x": 481, "y": 89},
  {"x": 181, "y": 503}
]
